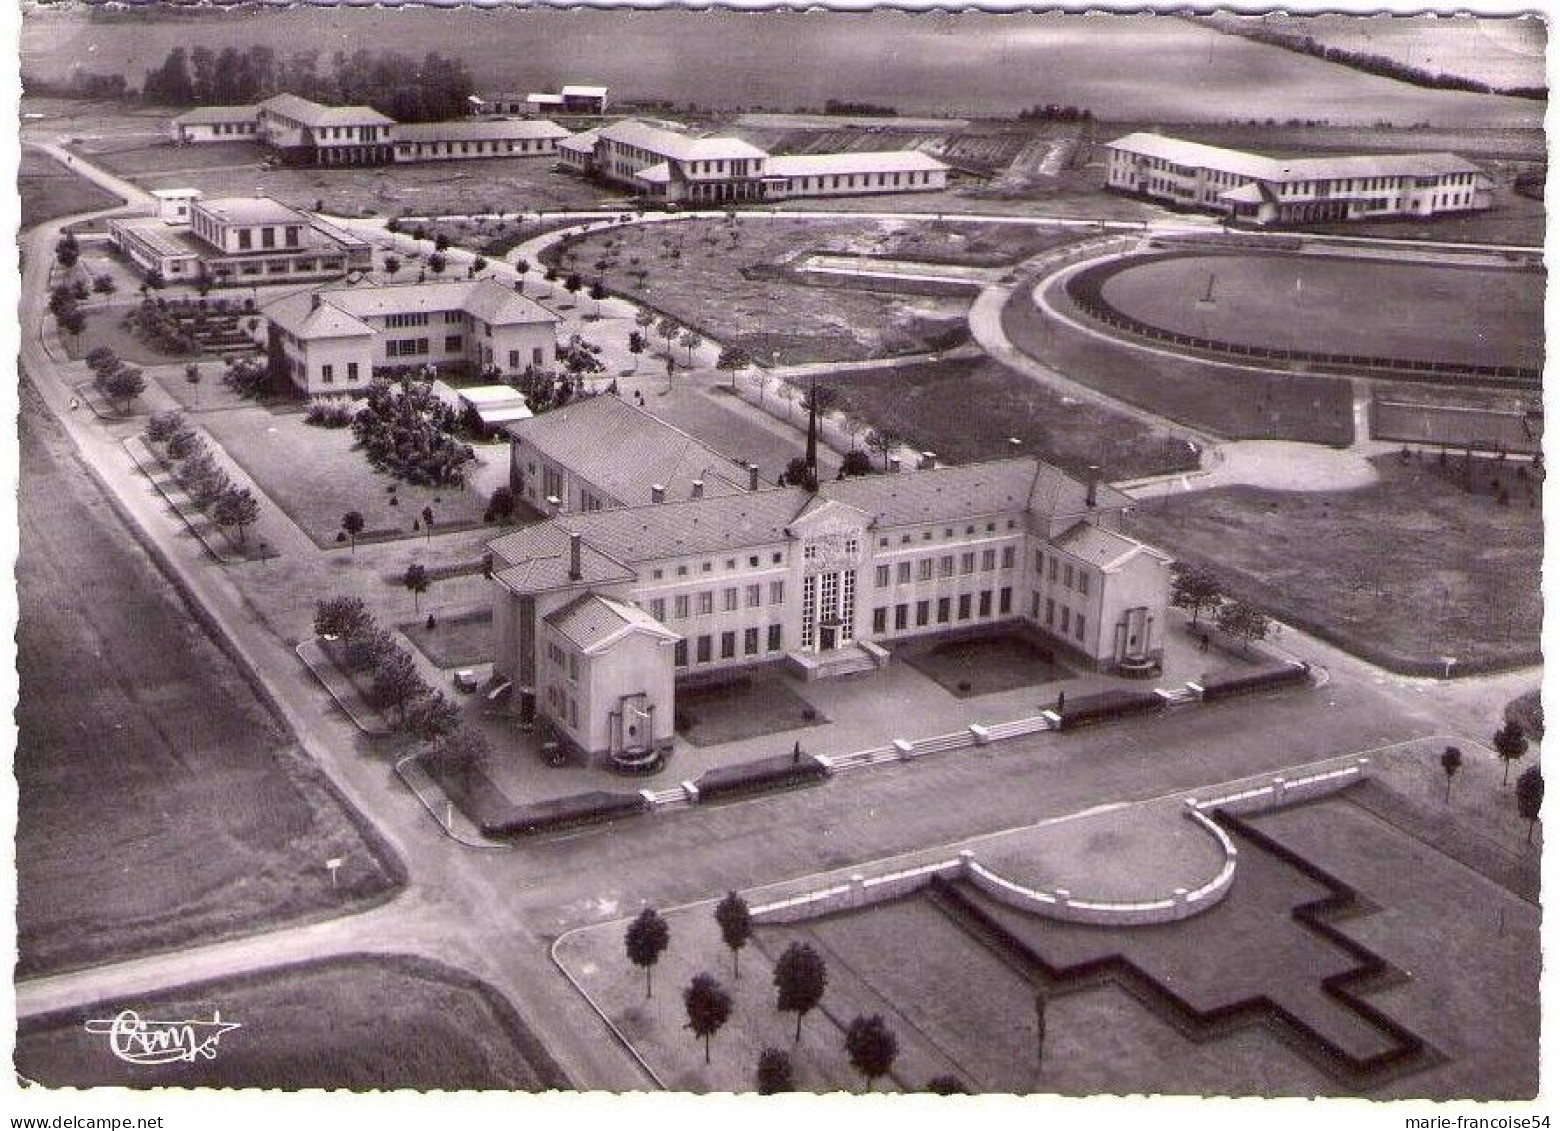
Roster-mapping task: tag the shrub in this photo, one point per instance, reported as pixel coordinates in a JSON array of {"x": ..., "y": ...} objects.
[
  {"x": 323, "y": 415},
  {"x": 162, "y": 426}
]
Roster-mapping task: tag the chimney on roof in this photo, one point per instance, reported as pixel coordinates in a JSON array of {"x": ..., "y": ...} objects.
[
  {"x": 1014, "y": 444},
  {"x": 1092, "y": 498},
  {"x": 575, "y": 572},
  {"x": 752, "y": 476},
  {"x": 893, "y": 465},
  {"x": 554, "y": 505},
  {"x": 657, "y": 493},
  {"x": 928, "y": 461},
  {"x": 698, "y": 489}
]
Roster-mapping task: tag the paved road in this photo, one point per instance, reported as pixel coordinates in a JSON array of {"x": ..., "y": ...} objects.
[{"x": 496, "y": 914}]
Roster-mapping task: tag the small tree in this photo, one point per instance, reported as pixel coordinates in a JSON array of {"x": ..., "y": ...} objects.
[
  {"x": 1451, "y": 762},
  {"x": 352, "y": 526},
  {"x": 645, "y": 941},
  {"x": 636, "y": 346},
  {"x": 856, "y": 462},
  {"x": 690, "y": 341},
  {"x": 736, "y": 927},
  {"x": 1511, "y": 744},
  {"x": 1242, "y": 621},
  {"x": 872, "y": 1047},
  {"x": 667, "y": 329},
  {"x": 437, "y": 263},
  {"x": 416, "y": 580},
  {"x": 427, "y": 521},
  {"x": 1194, "y": 589},
  {"x": 709, "y": 1007},
  {"x": 161, "y": 426},
  {"x": 71, "y": 320},
  {"x": 104, "y": 285},
  {"x": 341, "y": 616},
  {"x": 774, "y": 1074},
  {"x": 67, "y": 251},
  {"x": 392, "y": 266},
  {"x": 431, "y": 716},
  {"x": 732, "y": 359},
  {"x": 800, "y": 979},
  {"x": 1530, "y": 797},
  {"x": 237, "y": 508},
  {"x": 598, "y": 291},
  {"x": 396, "y": 681},
  {"x": 884, "y": 441},
  {"x": 456, "y": 753}
]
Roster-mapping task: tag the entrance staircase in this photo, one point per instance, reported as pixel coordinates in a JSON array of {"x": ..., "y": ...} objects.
[{"x": 853, "y": 659}]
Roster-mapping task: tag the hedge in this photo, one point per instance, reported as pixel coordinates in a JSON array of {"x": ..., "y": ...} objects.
[
  {"x": 564, "y": 812},
  {"x": 1242, "y": 681},
  {"x": 1108, "y": 705},
  {"x": 782, "y": 771}
]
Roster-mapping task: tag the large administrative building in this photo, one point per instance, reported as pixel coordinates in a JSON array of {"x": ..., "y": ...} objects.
[
  {"x": 1251, "y": 188},
  {"x": 599, "y": 614}
]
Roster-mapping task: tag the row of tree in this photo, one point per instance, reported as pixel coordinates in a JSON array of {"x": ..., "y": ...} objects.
[
  {"x": 197, "y": 471},
  {"x": 361, "y": 646},
  {"x": 120, "y": 382},
  {"x": 800, "y": 978},
  {"x": 1199, "y": 591},
  {"x": 1387, "y": 67},
  {"x": 1511, "y": 745},
  {"x": 433, "y": 89}
]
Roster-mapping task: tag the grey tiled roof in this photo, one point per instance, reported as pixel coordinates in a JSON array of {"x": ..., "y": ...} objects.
[
  {"x": 591, "y": 621},
  {"x": 1103, "y": 548}
]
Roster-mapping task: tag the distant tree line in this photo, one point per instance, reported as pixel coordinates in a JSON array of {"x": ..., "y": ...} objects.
[
  {"x": 81, "y": 84},
  {"x": 859, "y": 109},
  {"x": 392, "y": 83},
  {"x": 1374, "y": 64},
  {"x": 1051, "y": 112}
]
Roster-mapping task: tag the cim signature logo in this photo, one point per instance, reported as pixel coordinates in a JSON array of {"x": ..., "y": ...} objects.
[{"x": 137, "y": 1040}]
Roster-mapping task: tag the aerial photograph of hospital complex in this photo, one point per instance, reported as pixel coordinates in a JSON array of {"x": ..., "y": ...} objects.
[{"x": 709, "y": 552}]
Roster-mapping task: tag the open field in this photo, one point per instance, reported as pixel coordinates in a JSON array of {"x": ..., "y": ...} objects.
[
  {"x": 1235, "y": 403},
  {"x": 316, "y": 475},
  {"x": 48, "y": 189},
  {"x": 353, "y": 1022},
  {"x": 1403, "y": 572},
  {"x": 995, "y": 403},
  {"x": 727, "y": 280},
  {"x": 161, "y": 802},
  {"x": 1412, "y": 311}
]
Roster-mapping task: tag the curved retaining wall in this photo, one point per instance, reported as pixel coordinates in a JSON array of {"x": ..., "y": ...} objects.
[
  {"x": 1086, "y": 290},
  {"x": 862, "y": 891}
]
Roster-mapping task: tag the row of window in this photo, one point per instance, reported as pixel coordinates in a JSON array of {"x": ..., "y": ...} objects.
[
  {"x": 470, "y": 148},
  {"x": 948, "y": 532},
  {"x": 704, "y": 646},
  {"x": 1063, "y": 571},
  {"x": 268, "y": 238},
  {"x": 707, "y": 566},
  {"x": 702, "y": 604},
  {"x": 1067, "y": 622},
  {"x": 234, "y": 127},
  {"x": 328, "y": 373},
  {"x": 563, "y": 706},
  {"x": 967, "y": 608},
  {"x": 925, "y": 568}
]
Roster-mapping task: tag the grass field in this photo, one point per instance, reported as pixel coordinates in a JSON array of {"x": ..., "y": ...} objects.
[
  {"x": 1234, "y": 403},
  {"x": 1419, "y": 312},
  {"x": 316, "y": 475},
  {"x": 994, "y": 403},
  {"x": 354, "y": 1023},
  {"x": 48, "y": 189},
  {"x": 1403, "y": 572},
  {"x": 723, "y": 279},
  {"x": 160, "y": 801},
  {"x": 455, "y": 641}
]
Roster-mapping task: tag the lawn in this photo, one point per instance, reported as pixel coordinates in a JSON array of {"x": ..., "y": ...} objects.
[
  {"x": 1412, "y": 311},
  {"x": 1403, "y": 572},
  {"x": 316, "y": 475},
  {"x": 729, "y": 281},
  {"x": 743, "y": 708},
  {"x": 996, "y": 403},
  {"x": 104, "y": 328},
  {"x": 984, "y": 665},
  {"x": 1235, "y": 403},
  {"x": 490, "y": 236},
  {"x": 162, "y": 804},
  {"x": 459, "y": 640},
  {"x": 49, "y": 190},
  {"x": 356, "y": 1023}
]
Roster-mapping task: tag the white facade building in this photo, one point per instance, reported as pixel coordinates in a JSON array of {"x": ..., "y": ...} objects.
[{"x": 1268, "y": 190}]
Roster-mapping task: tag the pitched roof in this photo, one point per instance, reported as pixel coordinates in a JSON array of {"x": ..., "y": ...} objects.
[
  {"x": 878, "y": 161},
  {"x": 536, "y": 559},
  {"x": 493, "y": 129},
  {"x": 1258, "y": 167},
  {"x": 679, "y": 146},
  {"x": 316, "y": 114},
  {"x": 584, "y": 92},
  {"x": 1105, "y": 549},
  {"x": 594, "y": 623},
  {"x": 946, "y": 494},
  {"x": 481, "y": 298},
  {"x": 582, "y": 142},
  {"x": 623, "y": 451},
  {"x": 302, "y": 317},
  {"x": 204, "y": 115}
]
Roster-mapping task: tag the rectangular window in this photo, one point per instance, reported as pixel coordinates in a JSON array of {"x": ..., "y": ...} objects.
[
  {"x": 882, "y": 576},
  {"x": 658, "y": 608},
  {"x": 1083, "y": 583},
  {"x": 1067, "y": 577},
  {"x": 1040, "y": 563},
  {"x": 774, "y": 638},
  {"x": 1034, "y": 605},
  {"x": 985, "y": 602},
  {"x": 1066, "y": 619},
  {"x": 923, "y": 613},
  {"x": 945, "y": 566},
  {"x": 967, "y": 562},
  {"x": 268, "y": 238},
  {"x": 452, "y": 343},
  {"x": 729, "y": 600},
  {"x": 880, "y": 619},
  {"x": 1080, "y": 626},
  {"x": 706, "y": 603},
  {"x": 964, "y": 606},
  {"x": 923, "y": 569},
  {"x": 750, "y": 641},
  {"x": 776, "y": 592},
  {"x": 352, "y": 371},
  {"x": 703, "y": 649},
  {"x": 1005, "y": 600},
  {"x": 903, "y": 573},
  {"x": 1054, "y": 565},
  {"x": 327, "y": 373},
  {"x": 944, "y": 610},
  {"x": 245, "y": 240},
  {"x": 1009, "y": 557},
  {"x": 728, "y": 645},
  {"x": 680, "y": 604},
  {"x": 988, "y": 559},
  {"x": 901, "y": 617},
  {"x": 755, "y": 596}
]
